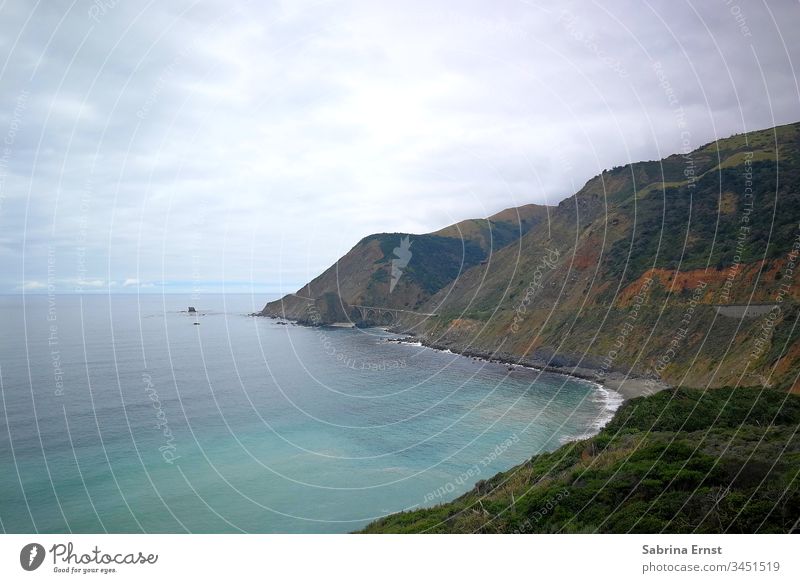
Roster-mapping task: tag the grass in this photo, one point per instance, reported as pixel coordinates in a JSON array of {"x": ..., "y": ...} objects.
[{"x": 679, "y": 461}]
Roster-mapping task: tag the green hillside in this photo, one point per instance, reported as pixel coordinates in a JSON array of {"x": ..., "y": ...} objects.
[
  {"x": 680, "y": 461},
  {"x": 639, "y": 248},
  {"x": 363, "y": 276},
  {"x": 647, "y": 271}
]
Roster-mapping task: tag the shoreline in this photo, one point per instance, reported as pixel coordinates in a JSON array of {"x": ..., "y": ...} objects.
[
  {"x": 611, "y": 398},
  {"x": 613, "y": 389},
  {"x": 628, "y": 386}
]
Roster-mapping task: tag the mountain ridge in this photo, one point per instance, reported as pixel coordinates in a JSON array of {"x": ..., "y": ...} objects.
[{"x": 639, "y": 273}]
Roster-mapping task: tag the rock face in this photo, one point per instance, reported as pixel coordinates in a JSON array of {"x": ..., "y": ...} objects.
[
  {"x": 191, "y": 310},
  {"x": 626, "y": 276},
  {"x": 401, "y": 271}
]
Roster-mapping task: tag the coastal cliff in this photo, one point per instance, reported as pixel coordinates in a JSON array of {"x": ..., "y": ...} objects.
[
  {"x": 400, "y": 271},
  {"x": 680, "y": 271}
]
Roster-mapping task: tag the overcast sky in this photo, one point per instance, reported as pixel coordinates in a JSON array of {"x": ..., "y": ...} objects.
[{"x": 171, "y": 145}]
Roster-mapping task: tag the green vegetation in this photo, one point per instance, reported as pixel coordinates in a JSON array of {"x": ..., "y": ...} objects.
[
  {"x": 670, "y": 217},
  {"x": 435, "y": 260},
  {"x": 680, "y": 461},
  {"x": 742, "y": 181},
  {"x": 722, "y": 219}
]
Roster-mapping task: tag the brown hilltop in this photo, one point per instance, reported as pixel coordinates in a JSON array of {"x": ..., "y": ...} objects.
[{"x": 622, "y": 296}]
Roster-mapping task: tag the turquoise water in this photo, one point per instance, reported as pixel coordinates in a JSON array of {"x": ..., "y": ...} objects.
[{"x": 121, "y": 415}]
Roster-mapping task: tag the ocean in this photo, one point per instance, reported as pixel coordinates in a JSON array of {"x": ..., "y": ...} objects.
[{"x": 123, "y": 413}]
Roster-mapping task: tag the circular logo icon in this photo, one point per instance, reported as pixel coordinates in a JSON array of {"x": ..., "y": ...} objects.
[{"x": 31, "y": 556}]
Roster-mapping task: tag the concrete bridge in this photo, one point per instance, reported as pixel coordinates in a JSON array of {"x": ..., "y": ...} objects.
[{"x": 378, "y": 313}]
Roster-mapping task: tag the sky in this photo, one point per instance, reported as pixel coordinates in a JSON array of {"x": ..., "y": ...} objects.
[{"x": 244, "y": 146}]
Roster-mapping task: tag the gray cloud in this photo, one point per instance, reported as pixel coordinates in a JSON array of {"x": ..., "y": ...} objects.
[{"x": 256, "y": 142}]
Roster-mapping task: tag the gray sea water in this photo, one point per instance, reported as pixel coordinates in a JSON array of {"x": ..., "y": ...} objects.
[{"x": 119, "y": 414}]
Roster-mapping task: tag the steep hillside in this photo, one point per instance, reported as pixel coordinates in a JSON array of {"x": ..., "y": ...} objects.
[
  {"x": 649, "y": 270},
  {"x": 680, "y": 271},
  {"x": 422, "y": 264},
  {"x": 681, "y": 461}
]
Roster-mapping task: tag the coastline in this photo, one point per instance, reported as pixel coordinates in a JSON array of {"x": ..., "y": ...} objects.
[
  {"x": 611, "y": 398},
  {"x": 628, "y": 385},
  {"x": 612, "y": 389}
]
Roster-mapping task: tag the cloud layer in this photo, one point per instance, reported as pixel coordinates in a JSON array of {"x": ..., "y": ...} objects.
[{"x": 179, "y": 147}]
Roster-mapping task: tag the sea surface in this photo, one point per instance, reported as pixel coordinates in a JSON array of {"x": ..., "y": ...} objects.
[{"x": 123, "y": 413}]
